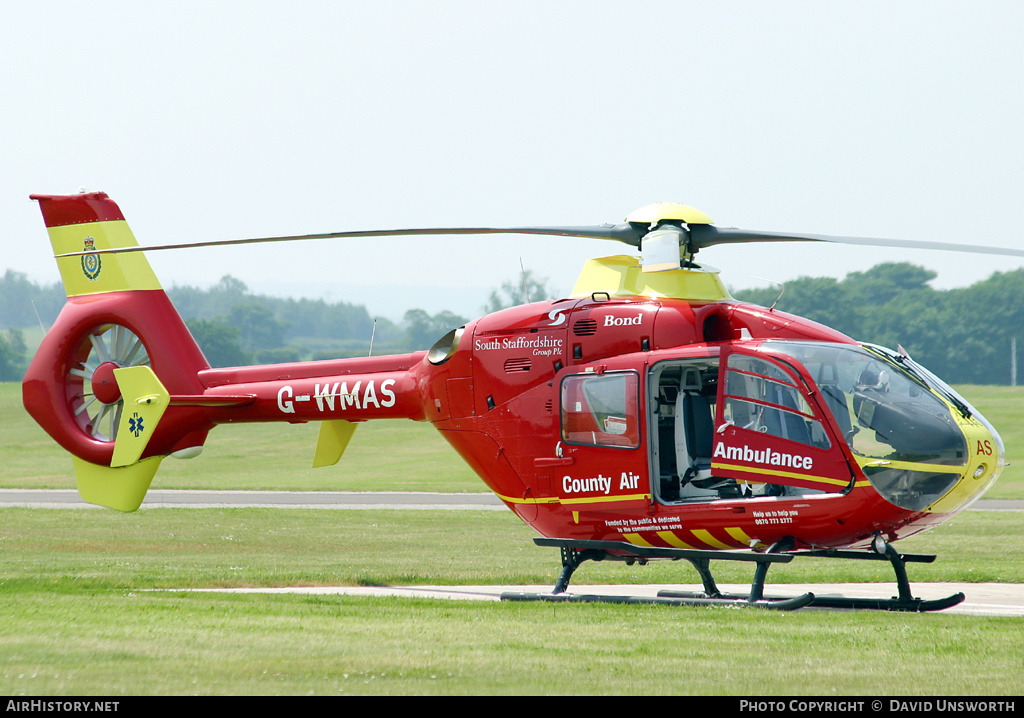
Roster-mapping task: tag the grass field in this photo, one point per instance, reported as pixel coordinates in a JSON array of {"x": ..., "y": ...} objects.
[{"x": 80, "y": 618}]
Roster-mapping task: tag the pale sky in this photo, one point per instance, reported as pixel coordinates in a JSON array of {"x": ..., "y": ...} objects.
[{"x": 221, "y": 120}]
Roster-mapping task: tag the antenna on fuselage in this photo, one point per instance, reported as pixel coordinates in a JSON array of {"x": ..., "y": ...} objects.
[
  {"x": 526, "y": 287},
  {"x": 38, "y": 318},
  {"x": 782, "y": 290}
]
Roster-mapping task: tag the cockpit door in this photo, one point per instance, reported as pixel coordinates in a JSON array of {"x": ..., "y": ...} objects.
[{"x": 771, "y": 431}]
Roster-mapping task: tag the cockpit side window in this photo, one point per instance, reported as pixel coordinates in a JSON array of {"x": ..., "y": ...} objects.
[{"x": 760, "y": 397}]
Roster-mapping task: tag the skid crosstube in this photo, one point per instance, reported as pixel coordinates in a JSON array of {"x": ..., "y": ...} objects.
[{"x": 576, "y": 552}]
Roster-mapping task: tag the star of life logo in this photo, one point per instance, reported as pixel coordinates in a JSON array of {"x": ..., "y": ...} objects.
[{"x": 135, "y": 424}]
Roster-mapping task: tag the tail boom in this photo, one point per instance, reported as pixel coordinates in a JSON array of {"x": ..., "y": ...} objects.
[{"x": 349, "y": 389}]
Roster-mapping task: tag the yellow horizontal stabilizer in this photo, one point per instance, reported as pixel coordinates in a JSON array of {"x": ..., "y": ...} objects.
[
  {"x": 122, "y": 489},
  {"x": 332, "y": 441},
  {"x": 145, "y": 400}
]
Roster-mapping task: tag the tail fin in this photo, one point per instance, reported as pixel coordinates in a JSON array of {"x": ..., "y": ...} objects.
[
  {"x": 116, "y": 316},
  {"x": 87, "y": 222}
]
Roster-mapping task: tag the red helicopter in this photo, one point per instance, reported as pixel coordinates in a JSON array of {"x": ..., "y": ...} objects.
[{"x": 648, "y": 415}]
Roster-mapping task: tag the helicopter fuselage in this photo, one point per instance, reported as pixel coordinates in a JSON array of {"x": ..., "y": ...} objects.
[{"x": 653, "y": 420}]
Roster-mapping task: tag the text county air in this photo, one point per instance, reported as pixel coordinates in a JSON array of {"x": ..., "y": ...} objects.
[{"x": 599, "y": 484}]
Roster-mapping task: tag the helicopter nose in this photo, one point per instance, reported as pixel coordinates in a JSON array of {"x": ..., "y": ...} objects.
[
  {"x": 986, "y": 459},
  {"x": 973, "y": 457}
]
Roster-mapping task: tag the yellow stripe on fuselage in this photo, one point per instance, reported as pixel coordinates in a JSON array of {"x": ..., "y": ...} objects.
[
  {"x": 637, "y": 540},
  {"x": 781, "y": 474},
  {"x": 583, "y": 500},
  {"x": 673, "y": 540},
  {"x": 705, "y": 536},
  {"x": 740, "y": 535},
  {"x": 605, "y": 499}
]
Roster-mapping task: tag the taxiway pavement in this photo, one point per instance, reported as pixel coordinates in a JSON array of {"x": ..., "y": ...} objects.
[
  {"x": 180, "y": 498},
  {"x": 982, "y": 599}
]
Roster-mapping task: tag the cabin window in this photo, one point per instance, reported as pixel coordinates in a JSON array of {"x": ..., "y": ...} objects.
[
  {"x": 761, "y": 397},
  {"x": 601, "y": 410}
]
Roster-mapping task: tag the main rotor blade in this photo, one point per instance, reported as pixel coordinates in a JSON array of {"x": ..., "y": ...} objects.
[
  {"x": 701, "y": 236},
  {"x": 708, "y": 236},
  {"x": 620, "y": 232}
]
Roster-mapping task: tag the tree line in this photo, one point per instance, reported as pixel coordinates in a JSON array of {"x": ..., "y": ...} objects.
[
  {"x": 964, "y": 335},
  {"x": 235, "y": 327}
]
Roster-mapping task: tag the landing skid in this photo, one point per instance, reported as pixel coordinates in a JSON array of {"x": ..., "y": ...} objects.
[{"x": 574, "y": 553}]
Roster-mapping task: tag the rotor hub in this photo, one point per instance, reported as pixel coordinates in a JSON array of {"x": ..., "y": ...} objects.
[{"x": 104, "y": 384}]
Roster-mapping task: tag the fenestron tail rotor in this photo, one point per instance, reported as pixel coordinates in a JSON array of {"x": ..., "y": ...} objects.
[
  {"x": 92, "y": 392},
  {"x": 667, "y": 234}
]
